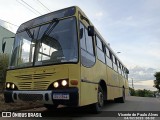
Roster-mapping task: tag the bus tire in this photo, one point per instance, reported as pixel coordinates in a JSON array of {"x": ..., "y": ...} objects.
[
  {"x": 97, "y": 107},
  {"x": 51, "y": 107}
]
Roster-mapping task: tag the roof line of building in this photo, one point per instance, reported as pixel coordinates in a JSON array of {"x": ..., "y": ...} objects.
[{"x": 7, "y": 29}]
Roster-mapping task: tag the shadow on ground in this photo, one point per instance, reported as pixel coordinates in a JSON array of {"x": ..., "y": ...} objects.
[{"x": 79, "y": 112}]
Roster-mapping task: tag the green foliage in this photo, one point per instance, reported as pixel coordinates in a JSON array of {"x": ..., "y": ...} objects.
[
  {"x": 141, "y": 93},
  {"x": 144, "y": 93},
  {"x": 157, "y": 81},
  {"x": 132, "y": 91},
  {"x": 4, "y": 59}
]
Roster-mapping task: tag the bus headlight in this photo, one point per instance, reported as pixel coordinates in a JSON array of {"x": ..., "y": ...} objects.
[
  {"x": 64, "y": 83},
  {"x": 55, "y": 84},
  {"x": 59, "y": 84},
  {"x": 13, "y": 86},
  {"x": 8, "y": 85}
]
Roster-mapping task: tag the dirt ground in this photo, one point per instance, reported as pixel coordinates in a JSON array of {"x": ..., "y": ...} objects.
[
  {"x": 1, "y": 86},
  {"x": 16, "y": 106}
]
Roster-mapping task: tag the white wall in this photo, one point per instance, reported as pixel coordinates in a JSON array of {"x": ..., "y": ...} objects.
[{"x": 9, "y": 42}]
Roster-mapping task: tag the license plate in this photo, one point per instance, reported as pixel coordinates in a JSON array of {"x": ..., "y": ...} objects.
[{"x": 59, "y": 96}]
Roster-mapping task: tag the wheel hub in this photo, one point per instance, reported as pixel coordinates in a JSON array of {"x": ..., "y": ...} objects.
[{"x": 100, "y": 99}]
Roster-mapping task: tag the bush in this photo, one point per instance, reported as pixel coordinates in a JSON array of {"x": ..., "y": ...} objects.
[
  {"x": 4, "y": 59},
  {"x": 141, "y": 93}
]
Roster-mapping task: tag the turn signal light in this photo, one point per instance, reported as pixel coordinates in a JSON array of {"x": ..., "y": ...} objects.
[{"x": 74, "y": 82}]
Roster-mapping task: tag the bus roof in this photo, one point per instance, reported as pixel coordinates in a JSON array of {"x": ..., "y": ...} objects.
[{"x": 48, "y": 17}]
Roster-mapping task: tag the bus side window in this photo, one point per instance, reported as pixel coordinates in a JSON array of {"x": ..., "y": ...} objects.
[
  {"x": 82, "y": 37},
  {"x": 99, "y": 43},
  {"x": 110, "y": 55},
  {"x": 119, "y": 69},
  {"x": 100, "y": 52},
  {"x": 122, "y": 70},
  {"x": 115, "y": 60},
  {"x": 108, "y": 60},
  {"x": 89, "y": 43},
  {"x": 114, "y": 63},
  {"x": 125, "y": 73},
  {"x": 107, "y": 52},
  {"x": 87, "y": 48}
]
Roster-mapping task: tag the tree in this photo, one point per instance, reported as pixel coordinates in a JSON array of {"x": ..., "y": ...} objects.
[
  {"x": 132, "y": 91},
  {"x": 157, "y": 81},
  {"x": 144, "y": 93},
  {"x": 141, "y": 93}
]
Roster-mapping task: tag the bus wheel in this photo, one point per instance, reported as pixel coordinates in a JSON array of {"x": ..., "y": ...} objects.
[
  {"x": 122, "y": 99},
  {"x": 96, "y": 108},
  {"x": 51, "y": 107}
]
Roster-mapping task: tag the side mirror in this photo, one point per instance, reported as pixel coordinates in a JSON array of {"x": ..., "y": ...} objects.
[
  {"x": 3, "y": 47},
  {"x": 90, "y": 30}
]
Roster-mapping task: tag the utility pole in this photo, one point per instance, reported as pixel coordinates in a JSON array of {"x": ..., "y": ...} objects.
[{"x": 132, "y": 84}]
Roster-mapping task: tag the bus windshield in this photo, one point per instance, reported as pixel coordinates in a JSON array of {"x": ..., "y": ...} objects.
[{"x": 33, "y": 47}]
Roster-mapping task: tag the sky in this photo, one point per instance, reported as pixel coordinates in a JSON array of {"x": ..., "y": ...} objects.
[{"x": 131, "y": 27}]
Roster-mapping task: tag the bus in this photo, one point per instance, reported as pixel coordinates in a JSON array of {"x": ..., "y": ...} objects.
[{"x": 61, "y": 59}]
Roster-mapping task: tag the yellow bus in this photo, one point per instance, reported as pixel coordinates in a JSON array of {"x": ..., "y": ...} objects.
[{"x": 61, "y": 59}]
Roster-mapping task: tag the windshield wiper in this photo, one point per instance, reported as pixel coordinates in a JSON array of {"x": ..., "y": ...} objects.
[
  {"x": 46, "y": 33},
  {"x": 50, "y": 27}
]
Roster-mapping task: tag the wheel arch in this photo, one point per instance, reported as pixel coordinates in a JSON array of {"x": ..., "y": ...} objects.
[{"x": 103, "y": 85}]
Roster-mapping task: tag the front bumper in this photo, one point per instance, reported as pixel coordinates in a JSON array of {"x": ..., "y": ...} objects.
[{"x": 69, "y": 96}]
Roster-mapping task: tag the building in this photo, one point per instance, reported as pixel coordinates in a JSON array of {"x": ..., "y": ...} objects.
[{"x": 5, "y": 36}]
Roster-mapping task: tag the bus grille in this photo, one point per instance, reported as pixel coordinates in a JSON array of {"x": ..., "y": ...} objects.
[
  {"x": 25, "y": 85},
  {"x": 34, "y": 81},
  {"x": 40, "y": 85},
  {"x": 34, "y": 76},
  {"x": 35, "y": 85},
  {"x": 30, "y": 97}
]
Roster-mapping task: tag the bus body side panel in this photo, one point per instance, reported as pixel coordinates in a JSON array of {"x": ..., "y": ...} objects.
[
  {"x": 93, "y": 75},
  {"x": 74, "y": 74},
  {"x": 123, "y": 83},
  {"x": 88, "y": 88},
  {"x": 113, "y": 84},
  {"x": 126, "y": 87}
]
